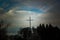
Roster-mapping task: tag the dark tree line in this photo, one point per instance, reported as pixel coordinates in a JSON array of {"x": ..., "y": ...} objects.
[
  {"x": 42, "y": 32},
  {"x": 3, "y": 31},
  {"x": 48, "y": 32}
]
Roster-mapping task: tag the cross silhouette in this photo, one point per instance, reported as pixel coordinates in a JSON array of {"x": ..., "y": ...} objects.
[{"x": 30, "y": 20}]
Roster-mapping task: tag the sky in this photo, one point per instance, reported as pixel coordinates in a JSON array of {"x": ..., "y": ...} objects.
[{"x": 17, "y": 12}]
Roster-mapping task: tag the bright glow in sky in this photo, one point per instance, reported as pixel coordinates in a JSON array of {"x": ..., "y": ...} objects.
[{"x": 25, "y": 16}]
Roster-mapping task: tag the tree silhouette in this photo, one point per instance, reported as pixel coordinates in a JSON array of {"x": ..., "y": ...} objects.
[
  {"x": 24, "y": 33},
  {"x": 42, "y": 32},
  {"x": 3, "y": 31},
  {"x": 48, "y": 32}
]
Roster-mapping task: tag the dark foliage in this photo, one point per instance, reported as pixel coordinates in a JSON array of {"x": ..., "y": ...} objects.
[
  {"x": 3, "y": 31},
  {"x": 42, "y": 32},
  {"x": 48, "y": 32}
]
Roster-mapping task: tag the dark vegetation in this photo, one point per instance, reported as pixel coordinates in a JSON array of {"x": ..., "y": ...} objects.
[{"x": 42, "y": 32}]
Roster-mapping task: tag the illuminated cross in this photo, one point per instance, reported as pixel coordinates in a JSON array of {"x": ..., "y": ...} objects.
[{"x": 30, "y": 20}]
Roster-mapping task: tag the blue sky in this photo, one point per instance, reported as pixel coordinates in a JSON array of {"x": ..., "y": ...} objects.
[
  {"x": 34, "y": 9},
  {"x": 8, "y": 4}
]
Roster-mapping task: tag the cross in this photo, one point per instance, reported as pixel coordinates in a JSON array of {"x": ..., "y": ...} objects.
[{"x": 30, "y": 23}]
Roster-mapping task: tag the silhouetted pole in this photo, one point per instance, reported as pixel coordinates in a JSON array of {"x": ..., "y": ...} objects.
[{"x": 30, "y": 20}]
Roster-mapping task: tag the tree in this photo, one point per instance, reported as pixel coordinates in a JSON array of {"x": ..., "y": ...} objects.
[{"x": 3, "y": 31}]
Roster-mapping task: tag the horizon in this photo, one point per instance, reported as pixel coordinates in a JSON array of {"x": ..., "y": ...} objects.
[{"x": 14, "y": 30}]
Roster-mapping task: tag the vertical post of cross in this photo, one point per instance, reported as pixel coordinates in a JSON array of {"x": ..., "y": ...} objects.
[{"x": 30, "y": 24}]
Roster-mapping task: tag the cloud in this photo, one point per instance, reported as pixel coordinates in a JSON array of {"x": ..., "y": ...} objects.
[
  {"x": 51, "y": 8},
  {"x": 1, "y": 11}
]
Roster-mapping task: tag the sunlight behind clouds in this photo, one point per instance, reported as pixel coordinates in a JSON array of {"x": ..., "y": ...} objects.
[
  {"x": 36, "y": 17},
  {"x": 19, "y": 18}
]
